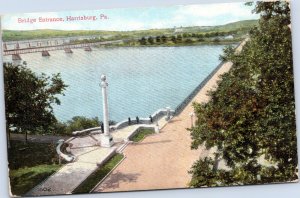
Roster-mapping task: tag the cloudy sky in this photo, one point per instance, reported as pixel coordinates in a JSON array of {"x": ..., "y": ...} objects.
[{"x": 137, "y": 18}]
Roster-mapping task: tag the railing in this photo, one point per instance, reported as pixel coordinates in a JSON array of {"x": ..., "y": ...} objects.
[
  {"x": 88, "y": 131},
  {"x": 155, "y": 116},
  {"x": 61, "y": 155}
]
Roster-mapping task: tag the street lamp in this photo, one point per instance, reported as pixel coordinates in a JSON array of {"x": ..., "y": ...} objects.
[{"x": 192, "y": 114}]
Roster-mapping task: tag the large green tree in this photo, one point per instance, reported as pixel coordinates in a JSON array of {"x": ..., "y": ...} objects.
[
  {"x": 250, "y": 119},
  {"x": 29, "y": 98}
]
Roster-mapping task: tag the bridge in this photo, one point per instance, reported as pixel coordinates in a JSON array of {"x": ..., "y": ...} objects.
[{"x": 16, "y": 48}]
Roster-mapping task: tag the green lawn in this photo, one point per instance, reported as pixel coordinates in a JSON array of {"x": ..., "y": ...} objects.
[
  {"x": 98, "y": 175},
  {"x": 30, "y": 164},
  {"x": 24, "y": 179},
  {"x": 141, "y": 134}
]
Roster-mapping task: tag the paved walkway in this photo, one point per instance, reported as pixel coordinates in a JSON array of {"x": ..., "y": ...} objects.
[
  {"x": 71, "y": 175},
  {"x": 162, "y": 161},
  {"x": 88, "y": 154}
]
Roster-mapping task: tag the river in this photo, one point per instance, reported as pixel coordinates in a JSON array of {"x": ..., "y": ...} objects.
[{"x": 141, "y": 79}]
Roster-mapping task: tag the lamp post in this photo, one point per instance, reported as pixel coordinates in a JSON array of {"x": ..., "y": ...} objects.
[
  {"x": 168, "y": 113},
  {"x": 106, "y": 139},
  {"x": 192, "y": 119},
  {"x": 156, "y": 128}
]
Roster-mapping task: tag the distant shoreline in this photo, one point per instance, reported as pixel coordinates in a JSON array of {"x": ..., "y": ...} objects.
[{"x": 174, "y": 45}]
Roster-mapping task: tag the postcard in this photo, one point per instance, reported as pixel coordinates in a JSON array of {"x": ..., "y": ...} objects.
[{"x": 183, "y": 96}]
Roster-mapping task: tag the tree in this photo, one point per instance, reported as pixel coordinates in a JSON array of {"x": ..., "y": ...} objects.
[
  {"x": 251, "y": 115},
  {"x": 143, "y": 41},
  {"x": 151, "y": 40},
  {"x": 189, "y": 41},
  {"x": 216, "y": 40},
  {"x": 29, "y": 98},
  {"x": 77, "y": 123},
  {"x": 173, "y": 39},
  {"x": 158, "y": 39},
  {"x": 179, "y": 38},
  {"x": 164, "y": 39}
]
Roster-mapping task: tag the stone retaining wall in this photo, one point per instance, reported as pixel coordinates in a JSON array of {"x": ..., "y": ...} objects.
[{"x": 189, "y": 98}]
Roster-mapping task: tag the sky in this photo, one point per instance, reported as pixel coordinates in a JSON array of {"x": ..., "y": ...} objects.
[{"x": 135, "y": 18}]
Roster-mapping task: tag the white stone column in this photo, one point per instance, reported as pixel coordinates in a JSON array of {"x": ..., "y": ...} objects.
[
  {"x": 192, "y": 114},
  {"x": 106, "y": 139}
]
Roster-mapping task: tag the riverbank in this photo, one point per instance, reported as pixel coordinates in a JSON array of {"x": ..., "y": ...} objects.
[{"x": 202, "y": 43}]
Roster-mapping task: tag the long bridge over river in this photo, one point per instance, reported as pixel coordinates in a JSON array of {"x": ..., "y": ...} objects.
[{"x": 15, "y": 49}]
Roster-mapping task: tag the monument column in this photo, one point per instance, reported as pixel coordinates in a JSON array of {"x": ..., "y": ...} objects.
[{"x": 106, "y": 139}]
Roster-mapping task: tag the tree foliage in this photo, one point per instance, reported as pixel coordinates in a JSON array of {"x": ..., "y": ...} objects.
[
  {"x": 29, "y": 98},
  {"x": 77, "y": 123},
  {"x": 251, "y": 115}
]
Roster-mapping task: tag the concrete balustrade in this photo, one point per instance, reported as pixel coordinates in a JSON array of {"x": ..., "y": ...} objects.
[
  {"x": 155, "y": 116},
  {"x": 61, "y": 155}
]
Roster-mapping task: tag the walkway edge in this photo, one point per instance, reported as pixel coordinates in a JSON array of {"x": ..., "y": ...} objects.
[
  {"x": 106, "y": 158},
  {"x": 109, "y": 173}
]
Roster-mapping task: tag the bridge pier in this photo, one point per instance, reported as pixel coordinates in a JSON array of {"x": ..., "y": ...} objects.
[
  {"x": 16, "y": 57},
  {"x": 88, "y": 49},
  {"x": 45, "y": 53},
  {"x": 68, "y": 50}
]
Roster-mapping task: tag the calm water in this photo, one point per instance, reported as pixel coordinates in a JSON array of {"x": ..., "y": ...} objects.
[{"x": 141, "y": 80}]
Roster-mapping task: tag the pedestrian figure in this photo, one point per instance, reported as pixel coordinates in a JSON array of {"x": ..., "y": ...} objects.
[
  {"x": 137, "y": 120},
  {"x": 151, "y": 119},
  {"x": 102, "y": 127},
  {"x": 129, "y": 121}
]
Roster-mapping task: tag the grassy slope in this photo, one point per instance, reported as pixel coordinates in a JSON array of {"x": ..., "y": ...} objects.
[
  {"x": 98, "y": 175},
  {"x": 30, "y": 164},
  {"x": 24, "y": 179},
  {"x": 11, "y": 35},
  {"x": 31, "y": 154}
]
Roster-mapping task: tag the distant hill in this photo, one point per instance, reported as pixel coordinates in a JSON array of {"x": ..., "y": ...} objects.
[
  {"x": 240, "y": 27},
  {"x": 237, "y": 25}
]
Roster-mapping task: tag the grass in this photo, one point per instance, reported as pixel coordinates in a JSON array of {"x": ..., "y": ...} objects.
[
  {"x": 98, "y": 175},
  {"x": 141, "y": 134},
  {"x": 31, "y": 154},
  {"x": 30, "y": 164},
  {"x": 24, "y": 179}
]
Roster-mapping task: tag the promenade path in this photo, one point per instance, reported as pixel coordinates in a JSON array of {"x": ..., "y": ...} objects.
[
  {"x": 88, "y": 156},
  {"x": 162, "y": 161}
]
